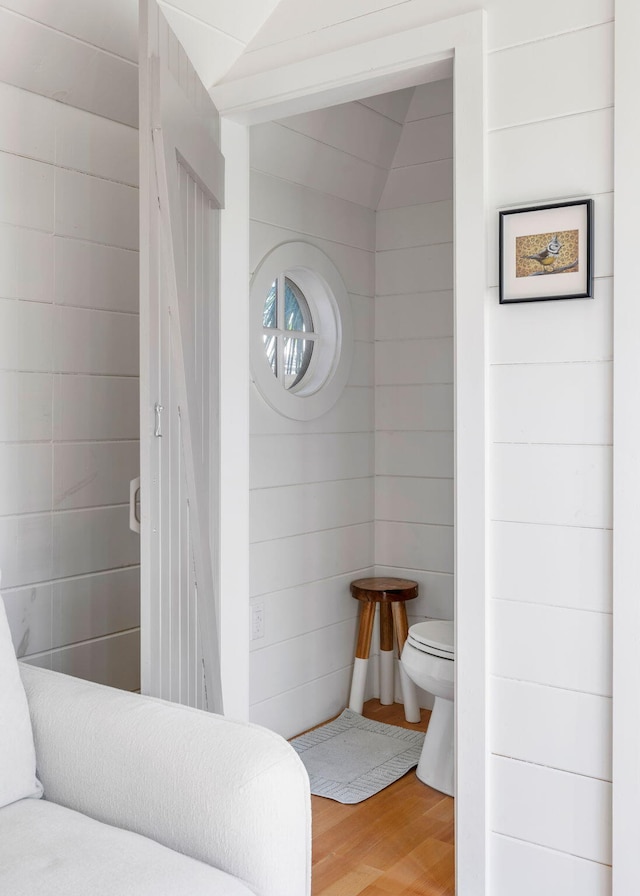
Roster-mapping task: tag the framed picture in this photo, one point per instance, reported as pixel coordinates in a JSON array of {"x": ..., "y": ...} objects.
[{"x": 546, "y": 252}]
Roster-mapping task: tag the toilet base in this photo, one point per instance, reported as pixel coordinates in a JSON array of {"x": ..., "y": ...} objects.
[{"x": 435, "y": 767}]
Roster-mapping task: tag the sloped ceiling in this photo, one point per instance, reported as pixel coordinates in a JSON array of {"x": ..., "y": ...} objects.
[
  {"x": 298, "y": 29},
  {"x": 215, "y": 33},
  {"x": 351, "y": 150}
]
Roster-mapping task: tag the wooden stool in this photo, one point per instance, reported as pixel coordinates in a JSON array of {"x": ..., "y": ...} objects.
[{"x": 391, "y": 594}]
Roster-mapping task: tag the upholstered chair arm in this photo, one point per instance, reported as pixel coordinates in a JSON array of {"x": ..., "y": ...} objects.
[{"x": 231, "y": 794}]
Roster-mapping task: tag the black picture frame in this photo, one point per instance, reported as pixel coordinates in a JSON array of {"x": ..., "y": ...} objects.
[{"x": 546, "y": 252}]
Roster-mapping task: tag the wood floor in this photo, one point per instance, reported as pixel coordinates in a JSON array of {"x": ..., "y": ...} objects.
[{"x": 397, "y": 843}]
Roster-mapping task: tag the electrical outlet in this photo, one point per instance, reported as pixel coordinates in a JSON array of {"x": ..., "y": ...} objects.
[{"x": 257, "y": 621}]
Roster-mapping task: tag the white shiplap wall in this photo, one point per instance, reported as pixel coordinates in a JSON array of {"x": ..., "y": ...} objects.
[
  {"x": 550, "y": 98},
  {"x": 551, "y": 409},
  {"x": 414, "y": 358},
  {"x": 69, "y": 335},
  {"x": 317, "y": 178}
]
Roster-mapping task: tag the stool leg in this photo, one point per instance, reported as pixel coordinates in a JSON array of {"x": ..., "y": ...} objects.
[
  {"x": 409, "y": 693},
  {"x": 367, "y": 614},
  {"x": 386, "y": 654}
]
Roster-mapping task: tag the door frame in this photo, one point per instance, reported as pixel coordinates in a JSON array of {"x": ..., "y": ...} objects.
[{"x": 377, "y": 66}]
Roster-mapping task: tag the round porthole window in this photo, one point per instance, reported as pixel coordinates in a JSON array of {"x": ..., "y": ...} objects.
[
  {"x": 288, "y": 332},
  {"x": 302, "y": 340}
]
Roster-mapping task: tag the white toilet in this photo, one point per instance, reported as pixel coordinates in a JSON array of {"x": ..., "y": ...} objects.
[{"x": 428, "y": 660}]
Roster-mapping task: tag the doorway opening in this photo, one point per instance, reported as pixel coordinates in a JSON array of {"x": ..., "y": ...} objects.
[
  {"x": 379, "y": 67},
  {"x": 369, "y": 184}
]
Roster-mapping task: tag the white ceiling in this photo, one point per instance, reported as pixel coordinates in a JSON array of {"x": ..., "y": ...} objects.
[{"x": 215, "y": 33}]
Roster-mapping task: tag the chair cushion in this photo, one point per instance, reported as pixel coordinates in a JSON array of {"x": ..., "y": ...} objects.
[
  {"x": 17, "y": 754},
  {"x": 49, "y": 850}
]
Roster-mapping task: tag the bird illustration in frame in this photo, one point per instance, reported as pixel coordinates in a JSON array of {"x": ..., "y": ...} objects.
[{"x": 549, "y": 255}]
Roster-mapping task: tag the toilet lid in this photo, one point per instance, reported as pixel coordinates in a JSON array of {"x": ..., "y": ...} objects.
[{"x": 434, "y": 636}]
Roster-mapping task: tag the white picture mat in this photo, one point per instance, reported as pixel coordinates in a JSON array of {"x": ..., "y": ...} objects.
[{"x": 544, "y": 220}]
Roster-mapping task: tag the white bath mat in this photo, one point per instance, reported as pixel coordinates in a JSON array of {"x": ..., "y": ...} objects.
[{"x": 351, "y": 758}]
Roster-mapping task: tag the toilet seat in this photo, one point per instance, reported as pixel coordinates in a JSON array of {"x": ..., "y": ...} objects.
[{"x": 434, "y": 637}]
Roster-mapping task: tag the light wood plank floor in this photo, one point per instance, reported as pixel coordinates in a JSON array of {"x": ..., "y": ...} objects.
[{"x": 397, "y": 843}]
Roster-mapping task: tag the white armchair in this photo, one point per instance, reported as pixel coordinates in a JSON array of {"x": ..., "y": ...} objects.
[{"x": 145, "y": 797}]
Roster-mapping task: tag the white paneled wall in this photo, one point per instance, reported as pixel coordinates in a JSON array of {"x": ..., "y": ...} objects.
[
  {"x": 317, "y": 178},
  {"x": 414, "y": 358},
  {"x": 368, "y": 486},
  {"x": 551, "y": 500},
  {"x": 84, "y": 55},
  {"x": 69, "y": 335}
]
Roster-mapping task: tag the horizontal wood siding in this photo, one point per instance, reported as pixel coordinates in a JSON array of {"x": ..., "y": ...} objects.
[
  {"x": 414, "y": 484},
  {"x": 580, "y": 823},
  {"x": 69, "y": 400},
  {"x": 528, "y": 870},
  {"x": 550, "y": 386},
  {"x": 63, "y": 67},
  {"x": 554, "y": 727},
  {"x": 318, "y": 178}
]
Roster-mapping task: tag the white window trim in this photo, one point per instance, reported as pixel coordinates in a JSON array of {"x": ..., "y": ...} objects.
[{"x": 326, "y": 294}]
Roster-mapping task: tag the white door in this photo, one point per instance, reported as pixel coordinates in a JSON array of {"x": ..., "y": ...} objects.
[{"x": 181, "y": 192}]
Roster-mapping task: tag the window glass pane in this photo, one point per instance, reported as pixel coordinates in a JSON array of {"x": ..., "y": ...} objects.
[
  {"x": 297, "y": 355},
  {"x": 270, "y": 311},
  {"x": 296, "y": 311},
  {"x": 271, "y": 350}
]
